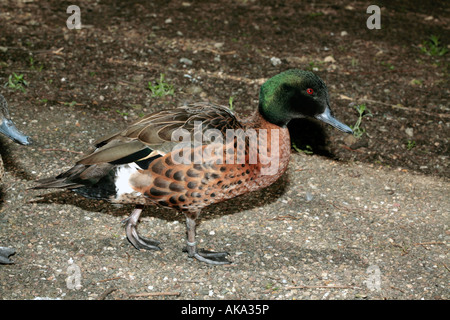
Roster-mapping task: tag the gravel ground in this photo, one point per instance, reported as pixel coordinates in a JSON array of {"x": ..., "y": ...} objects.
[{"x": 325, "y": 230}]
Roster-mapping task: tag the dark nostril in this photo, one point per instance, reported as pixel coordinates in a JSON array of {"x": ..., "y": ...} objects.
[
  {"x": 29, "y": 141},
  {"x": 25, "y": 141}
]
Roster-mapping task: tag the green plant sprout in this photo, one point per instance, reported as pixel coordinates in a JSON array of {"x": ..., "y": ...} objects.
[
  {"x": 161, "y": 88},
  {"x": 308, "y": 149},
  {"x": 69, "y": 104},
  {"x": 363, "y": 112},
  {"x": 33, "y": 65},
  {"x": 16, "y": 82},
  {"x": 410, "y": 144},
  {"x": 230, "y": 103},
  {"x": 388, "y": 65},
  {"x": 122, "y": 113},
  {"x": 314, "y": 65},
  {"x": 315, "y": 14},
  {"x": 433, "y": 47}
]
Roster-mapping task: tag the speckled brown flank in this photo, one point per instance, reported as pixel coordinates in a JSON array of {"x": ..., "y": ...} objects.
[{"x": 191, "y": 187}]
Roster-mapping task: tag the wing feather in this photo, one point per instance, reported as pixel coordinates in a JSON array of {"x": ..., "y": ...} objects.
[
  {"x": 142, "y": 142},
  {"x": 153, "y": 133}
]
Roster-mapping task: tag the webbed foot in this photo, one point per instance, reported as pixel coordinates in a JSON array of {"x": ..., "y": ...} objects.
[
  {"x": 203, "y": 255},
  {"x": 133, "y": 236},
  {"x": 210, "y": 257}
]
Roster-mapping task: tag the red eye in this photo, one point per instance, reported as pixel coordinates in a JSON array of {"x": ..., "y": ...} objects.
[{"x": 309, "y": 91}]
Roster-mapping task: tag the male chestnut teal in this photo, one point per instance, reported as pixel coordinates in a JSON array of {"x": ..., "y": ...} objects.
[
  {"x": 8, "y": 128},
  {"x": 137, "y": 165}
]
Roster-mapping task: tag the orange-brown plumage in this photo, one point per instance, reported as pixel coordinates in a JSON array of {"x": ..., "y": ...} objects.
[{"x": 191, "y": 187}]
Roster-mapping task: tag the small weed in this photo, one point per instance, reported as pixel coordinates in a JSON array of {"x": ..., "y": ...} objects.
[
  {"x": 410, "y": 144},
  {"x": 16, "y": 82},
  {"x": 388, "y": 65},
  {"x": 308, "y": 149},
  {"x": 416, "y": 82},
  {"x": 70, "y": 104},
  {"x": 122, "y": 113},
  {"x": 363, "y": 112},
  {"x": 315, "y": 14},
  {"x": 315, "y": 65},
  {"x": 161, "y": 88},
  {"x": 33, "y": 65},
  {"x": 271, "y": 286},
  {"x": 230, "y": 103},
  {"x": 433, "y": 47}
]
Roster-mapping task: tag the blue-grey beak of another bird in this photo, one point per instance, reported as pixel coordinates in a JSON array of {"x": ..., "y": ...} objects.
[
  {"x": 9, "y": 129},
  {"x": 327, "y": 117}
]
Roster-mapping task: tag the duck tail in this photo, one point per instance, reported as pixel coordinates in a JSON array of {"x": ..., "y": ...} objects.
[
  {"x": 56, "y": 183},
  {"x": 78, "y": 176}
]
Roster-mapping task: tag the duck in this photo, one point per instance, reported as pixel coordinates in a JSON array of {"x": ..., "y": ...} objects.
[
  {"x": 197, "y": 155},
  {"x": 8, "y": 129}
]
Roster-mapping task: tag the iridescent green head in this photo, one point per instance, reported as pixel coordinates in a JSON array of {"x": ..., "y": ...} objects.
[{"x": 296, "y": 94}]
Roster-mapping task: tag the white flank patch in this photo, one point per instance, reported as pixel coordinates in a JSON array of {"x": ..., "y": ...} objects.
[{"x": 123, "y": 175}]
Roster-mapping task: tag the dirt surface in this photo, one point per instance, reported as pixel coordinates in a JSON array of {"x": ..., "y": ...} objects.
[{"x": 352, "y": 212}]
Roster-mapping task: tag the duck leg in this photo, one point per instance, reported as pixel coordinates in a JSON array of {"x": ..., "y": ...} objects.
[
  {"x": 133, "y": 236},
  {"x": 210, "y": 257},
  {"x": 4, "y": 254}
]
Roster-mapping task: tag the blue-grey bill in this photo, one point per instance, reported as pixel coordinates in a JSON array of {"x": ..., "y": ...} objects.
[
  {"x": 327, "y": 117},
  {"x": 9, "y": 129}
]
